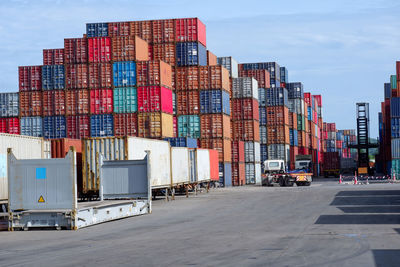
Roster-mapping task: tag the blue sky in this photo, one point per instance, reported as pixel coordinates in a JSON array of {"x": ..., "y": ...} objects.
[{"x": 344, "y": 50}]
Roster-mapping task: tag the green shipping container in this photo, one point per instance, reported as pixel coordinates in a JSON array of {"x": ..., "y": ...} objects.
[
  {"x": 301, "y": 123},
  {"x": 396, "y": 168},
  {"x": 189, "y": 126},
  {"x": 125, "y": 100},
  {"x": 393, "y": 81}
]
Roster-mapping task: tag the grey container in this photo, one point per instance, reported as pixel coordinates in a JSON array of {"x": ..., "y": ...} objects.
[
  {"x": 230, "y": 64},
  {"x": 32, "y": 126},
  {"x": 262, "y": 97},
  {"x": 396, "y": 148},
  {"x": 245, "y": 87},
  {"x": 253, "y": 173},
  {"x": 252, "y": 152},
  {"x": 9, "y": 105},
  {"x": 279, "y": 151},
  {"x": 263, "y": 135}
]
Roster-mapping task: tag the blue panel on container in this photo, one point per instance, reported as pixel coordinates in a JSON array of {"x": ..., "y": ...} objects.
[
  {"x": 284, "y": 75},
  {"x": 295, "y": 90},
  {"x": 53, "y": 77},
  {"x": 264, "y": 153},
  {"x": 225, "y": 174},
  {"x": 395, "y": 106},
  {"x": 54, "y": 127},
  {"x": 387, "y": 90},
  {"x": 277, "y": 97},
  {"x": 214, "y": 101},
  {"x": 96, "y": 29},
  {"x": 191, "y": 54},
  {"x": 124, "y": 73},
  {"x": 263, "y": 116},
  {"x": 101, "y": 125},
  {"x": 182, "y": 142},
  {"x": 40, "y": 173},
  {"x": 309, "y": 113}
]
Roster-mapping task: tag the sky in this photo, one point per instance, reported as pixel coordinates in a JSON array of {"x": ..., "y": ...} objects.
[{"x": 344, "y": 50}]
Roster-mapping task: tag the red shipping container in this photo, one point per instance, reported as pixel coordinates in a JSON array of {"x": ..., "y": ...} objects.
[
  {"x": 188, "y": 102},
  {"x": 164, "y": 52},
  {"x": 190, "y": 30},
  {"x": 75, "y": 50},
  {"x": 246, "y": 130},
  {"x": 294, "y": 118},
  {"x": 78, "y": 127},
  {"x": 118, "y": 29},
  {"x": 101, "y": 101},
  {"x": 293, "y": 153},
  {"x": 214, "y": 77},
  {"x": 214, "y": 165},
  {"x": 211, "y": 59},
  {"x": 30, "y": 78},
  {"x": 223, "y": 146},
  {"x": 77, "y": 102},
  {"x": 331, "y": 161},
  {"x": 100, "y": 75},
  {"x": 278, "y": 134},
  {"x": 10, "y": 125},
  {"x": 150, "y": 52},
  {"x": 277, "y": 115},
  {"x": 53, "y": 56},
  {"x": 154, "y": 98},
  {"x": 99, "y": 49},
  {"x": 283, "y": 85},
  {"x": 307, "y": 98},
  {"x": 237, "y": 151},
  {"x": 262, "y": 76},
  {"x": 215, "y": 126},
  {"x": 238, "y": 174},
  {"x": 318, "y": 99},
  {"x": 76, "y": 76},
  {"x": 143, "y": 29},
  {"x": 53, "y": 102},
  {"x": 60, "y": 147},
  {"x": 187, "y": 78},
  {"x": 398, "y": 71},
  {"x": 154, "y": 72},
  {"x": 245, "y": 109},
  {"x": 163, "y": 31},
  {"x": 129, "y": 48},
  {"x": 30, "y": 103},
  {"x": 125, "y": 124}
]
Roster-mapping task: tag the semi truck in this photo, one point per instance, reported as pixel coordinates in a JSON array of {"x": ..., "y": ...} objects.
[
  {"x": 331, "y": 164},
  {"x": 275, "y": 173}
]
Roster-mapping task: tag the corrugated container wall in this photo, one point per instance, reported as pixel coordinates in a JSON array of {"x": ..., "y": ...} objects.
[
  {"x": 9, "y": 105},
  {"x": 53, "y": 56},
  {"x": 53, "y": 77},
  {"x": 31, "y": 126},
  {"x": 191, "y": 54},
  {"x": 230, "y": 64}
]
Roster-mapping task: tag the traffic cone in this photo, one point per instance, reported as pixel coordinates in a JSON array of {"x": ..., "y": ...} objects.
[
  {"x": 340, "y": 179},
  {"x": 355, "y": 177}
]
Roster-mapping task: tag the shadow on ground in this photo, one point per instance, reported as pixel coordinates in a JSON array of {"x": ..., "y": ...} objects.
[{"x": 386, "y": 257}]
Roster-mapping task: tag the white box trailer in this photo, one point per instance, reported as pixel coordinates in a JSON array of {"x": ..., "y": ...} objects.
[
  {"x": 25, "y": 147},
  {"x": 180, "y": 169},
  {"x": 203, "y": 165}
]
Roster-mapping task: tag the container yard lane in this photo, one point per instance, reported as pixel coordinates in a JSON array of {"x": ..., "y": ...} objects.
[{"x": 326, "y": 224}]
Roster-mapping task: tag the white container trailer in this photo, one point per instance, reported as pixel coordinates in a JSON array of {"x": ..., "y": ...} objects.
[
  {"x": 25, "y": 147},
  {"x": 180, "y": 165},
  {"x": 203, "y": 165},
  {"x": 160, "y": 172}
]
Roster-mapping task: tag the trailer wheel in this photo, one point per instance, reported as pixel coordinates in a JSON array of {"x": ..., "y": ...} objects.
[
  {"x": 307, "y": 183},
  {"x": 299, "y": 183},
  {"x": 281, "y": 181}
]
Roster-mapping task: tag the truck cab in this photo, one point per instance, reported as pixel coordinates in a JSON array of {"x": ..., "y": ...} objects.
[
  {"x": 303, "y": 163},
  {"x": 274, "y": 166}
]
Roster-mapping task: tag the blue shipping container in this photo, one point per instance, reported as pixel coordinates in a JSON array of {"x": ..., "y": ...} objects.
[
  {"x": 96, "y": 29},
  {"x": 264, "y": 154},
  {"x": 53, "y": 77},
  {"x": 225, "y": 174},
  {"x": 262, "y": 97},
  {"x": 9, "y": 104},
  {"x": 387, "y": 90},
  {"x": 295, "y": 90},
  {"x": 395, "y": 106},
  {"x": 277, "y": 97},
  {"x": 272, "y": 67},
  {"x": 54, "y": 127},
  {"x": 182, "y": 142},
  {"x": 32, "y": 126},
  {"x": 263, "y": 116},
  {"x": 124, "y": 73},
  {"x": 191, "y": 54},
  {"x": 214, "y": 101},
  {"x": 101, "y": 125},
  {"x": 284, "y": 75}
]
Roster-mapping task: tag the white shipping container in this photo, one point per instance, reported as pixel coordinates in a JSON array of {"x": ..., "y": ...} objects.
[
  {"x": 253, "y": 173},
  {"x": 252, "y": 152},
  {"x": 160, "y": 159},
  {"x": 245, "y": 87},
  {"x": 180, "y": 165},
  {"x": 203, "y": 165},
  {"x": 279, "y": 151},
  {"x": 23, "y": 147},
  {"x": 230, "y": 64}
]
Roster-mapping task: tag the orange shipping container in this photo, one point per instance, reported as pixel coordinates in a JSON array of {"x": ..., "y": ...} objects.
[
  {"x": 188, "y": 102},
  {"x": 125, "y": 124},
  {"x": 75, "y": 50},
  {"x": 246, "y": 130},
  {"x": 155, "y": 125},
  {"x": 215, "y": 126},
  {"x": 211, "y": 59},
  {"x": 30, "y": 103},
  {"x": 277, "y": 115},
  {"x": 214, "y": 166},
  {"x": 143, "y": 29},
  {"x": 223, "y": 146},
  {"x": 238, "y": 174},
  {"x": 60, "y": 147},
  {"x": 53, "y": 102},
  {"x": 163, "y": 31},
  {"x": 290, "y": 120},
  {"x": 164, "y": 52},
  {"x": 219, "y": 78},
  {"x": 155, "y": 72},
  {"x": 187, "y": 78},
  {"x": 294, "y": 121},
  {"x": 76, "y": 76},
  {"x": 278, "y": 134},
  {"x": 77, "y": 102},
  {"x": 100, "y": 75},
  {"x": 129, "y": 48},
  {"x": 118, "y": 29}
]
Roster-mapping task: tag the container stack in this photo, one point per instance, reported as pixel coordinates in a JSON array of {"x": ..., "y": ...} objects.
[
  {"x": 9, "y": 112},
  {"x": 296, "y": 128},
  {"x": 344, "y": 138}
]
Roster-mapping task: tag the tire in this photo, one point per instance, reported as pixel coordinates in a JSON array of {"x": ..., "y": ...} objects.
[
  {"x": 307, "y": 183},
  {"x": 299, "y": 183},
  {"x": 289, "y": 183},
  {"x": 282, "y": 182}
]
